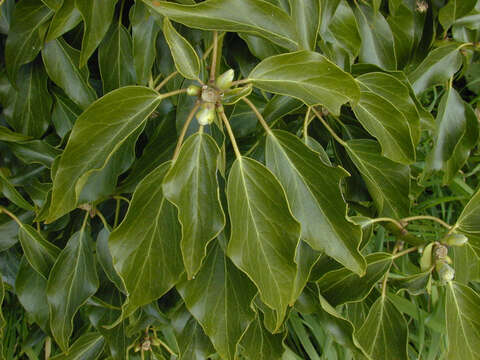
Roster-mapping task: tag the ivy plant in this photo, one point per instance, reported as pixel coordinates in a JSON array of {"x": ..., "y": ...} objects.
[{"x": 240, "y": 179}]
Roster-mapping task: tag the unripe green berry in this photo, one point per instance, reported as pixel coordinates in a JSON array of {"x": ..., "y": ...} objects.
[
  {"x": 193, "y": 90},
  {"x": 224, "y": 81},
  {"x": 206, "y": 114},
  {"x": 456, "y": 240}
]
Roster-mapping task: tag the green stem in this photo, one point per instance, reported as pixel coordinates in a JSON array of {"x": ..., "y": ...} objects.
[
  {"x": 258, "y": 115},
  {"x": 117, "y": 213},
  {"x": 428, "y": 217},
  {"x": 5, "y": 211},
  {"x": 213, "y": 68},
  {"x": 330, "y": 130},
  {"x": 386, "y": 219},
  {"x": 230, "y": 134},
  {"x": 165, "y": 81},
  {"x": 306, "y": 121}
]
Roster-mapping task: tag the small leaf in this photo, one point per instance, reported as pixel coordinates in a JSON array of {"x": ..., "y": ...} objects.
[
  {"x": 24, "y": 39},
  {"x": 185, "y": 57},
  {"x": 115, "y": 59},
  {"x": 313, "y": 192},
  {"x": 462, "y": 319},
  {"x": 439, "y": 66},
  {"x": 104, "y": 126},
  {"x": 191, "y": 185},
  {"x": 146, "y": 246},
  {"x": 264, "y": 234},
  {"x": 97, "y": 16},
  {"x": 306, "y": 15},
  {"x": 307, "y": 76},
  {"x": 88, "y": 346},
  {"x": 342, "y": 285},
  {"x": 72, "y": 281},
  {"x": 250, "y": 16},
  {"x": 62, "y": 65},
  {"x": 384, "y": 334},
  {"x": 219, "y": 298},
  {"x": 388, "y": 182}
]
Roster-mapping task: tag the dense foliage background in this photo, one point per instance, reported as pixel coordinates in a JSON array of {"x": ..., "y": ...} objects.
[{"x": 240, "y": 179}]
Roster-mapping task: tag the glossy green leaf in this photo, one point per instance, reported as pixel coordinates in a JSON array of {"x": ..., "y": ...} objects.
[
  {"x": 144, "y": 35},
  {"x": 404, "y": 26},
  {"x": 191, "y": 185},
  {"x": 342, "y": 286},
  {"x": 259, "y": 344},
  {"x": 10, "y": 136},
  {"x": 469, "y": 219},
  {"x": 250, "y": 16},
  {"x": 466, "y": 263},
  {"x": 73, "y": 279},
  {"x": 40, "y": 253},
  {"x": 453, "y": 10},
  {"x": 307, "y": 76},
  {"x": 124, "y": 111},
  {"x": 62, "y": 65},
  {"x": 53, "y": 4},
  {"x": 65, "y": 113},
  {"x": 344, "y": 28},
  {"x": 9, "y": 191},
  {"x": 104, "y": 257},
  {"x": 463, "y": 322},
  {"x": 185, "y": 57},
  {"x": 313, "y": 192},
  {"x": 193, "y": 342},
  {"x": 384, "y": 334},
  {"x": 306, "y": 15},
  {"x": 89, "y": 346},
  {"x": 64, "y": 20},
  {"x": 264, "y": 234},
  {"x": 387, "y": 112},
  {"x": 146, "y": 247},
  {"x": 115, "y": 58},
  {"x": 31, "y": 289},
  {"x": 377, "y": 39},
  {"x": 25, "y": 37},
  {"x": 9, "y": 229},
  {"x": 35, "y": 152},
  {"x": 388, "y": 182},
  {"x": 219, "y": 298},
  {"x": 97, "y": 16},
  {"x": 415, "y": 284},
  {"x": 436, "y": 69}
]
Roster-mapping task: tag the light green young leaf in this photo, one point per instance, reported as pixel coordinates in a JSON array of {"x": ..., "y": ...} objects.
[
  {"x": 219, "y": 298},
  {"x": 72, "y": 281},
  {"x": 387, "y": 112},
  {"x": 88, "y": 346},
  {"x": 306, "y": 15},
  {"x": 250, "y": 16},
  {"x": 264, "y": 234},
  {"x": 97, "y": 17},
  {"x": 342, "y": 285},
  {"x": 384, "y": 334},
  {"x": 185, "y": 57},
  {"x": 40, "y": 253},
  {"x": 25, "y": 36},
  {"x": 439, "y": 66},
  {"x": 313, "y": 192},
  {"x": 307, "y": 76},
  {"x": 97, "y": 135},
  {"x": 191, "y": 185},
  {"x": 61, "y": 62},
  {"x": 146, "y": 246},
  {"x": 388, "y": 182},
  {"x": 64, "y": 20},
  {"x": 463, "y": 322},
  {"x": 377, "y": 39}
]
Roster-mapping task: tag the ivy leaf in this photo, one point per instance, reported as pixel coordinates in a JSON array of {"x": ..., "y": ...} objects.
[
  {"x": 147, "y": 244},
  {"x": 264, "y": 234},
  {"x": 388, "y": 182},
  {"x": 342, "y": 285},
  {"x": 144, "y": 36},
  {"x": 384, "y": 334},
  {"x": 193, "y": 342},
  {"x": 9, "y": 229},
  {"x": 24, "y": 39},
  {"x": 255, "y": 17},
  {"x": 8, "y": 135},
  {"x": 191, "y": 185},
  {"x": 462, "y": 319},
  {"x": 123, "y": 111},
  {"x": 88, "y": 346},
  {"x": 307, "y": 76},
  {"x": 40, "y": 253},
  {"x": 453, "y": 10},
  {"x": 35, "y": 152},
  {"x": 377, "y": 39},
  {"x": 97, "y": 17},
  {"x": 466, "y": 263},
  {"x": 12, "y": 194},
  {"x": 387, "y": 112},
  {"x": 65, "y": 113},
  {"x": 469, "y": 219},
  {"x": 73, "y": 279},
  {"x": 185, "y": 57},
  {"x": 105, "y": 259},
  {"x": 260, "y": 344},
  {"x": 53, "y": 4},
  {"x": 306, "y": 15},
  {"x": 219, "y": 298},
  {"x": 64, "y": 20},
  {"x": 31, "y": 290},
  {"x": 313, "y": 192},
  {"x": 437, "y": 68}
]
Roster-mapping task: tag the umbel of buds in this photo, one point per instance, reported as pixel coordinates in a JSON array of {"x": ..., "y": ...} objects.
[
  {"x": 193, "y": 90},
  {"x": 455, "y": 240},
  {"x": 224, "y": 81}
]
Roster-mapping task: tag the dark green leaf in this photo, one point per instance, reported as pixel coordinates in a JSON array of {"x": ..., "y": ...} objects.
[
  {"x": 35, "y": 152},
  {"x": 105, "y": 259},
  {"x": 64, "y": 20},
  {"x": 192, "y": 341},
  {"x": 306, "y": 15},
  {"x": 259, "y": 344},
  {"x": 89, "y": 346},
  {"x": 453, "y": 10},
  {"x": 12, "y": 194},
  {"x": 469, "y": 219},
  {"x": 10, "y": 136}
]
